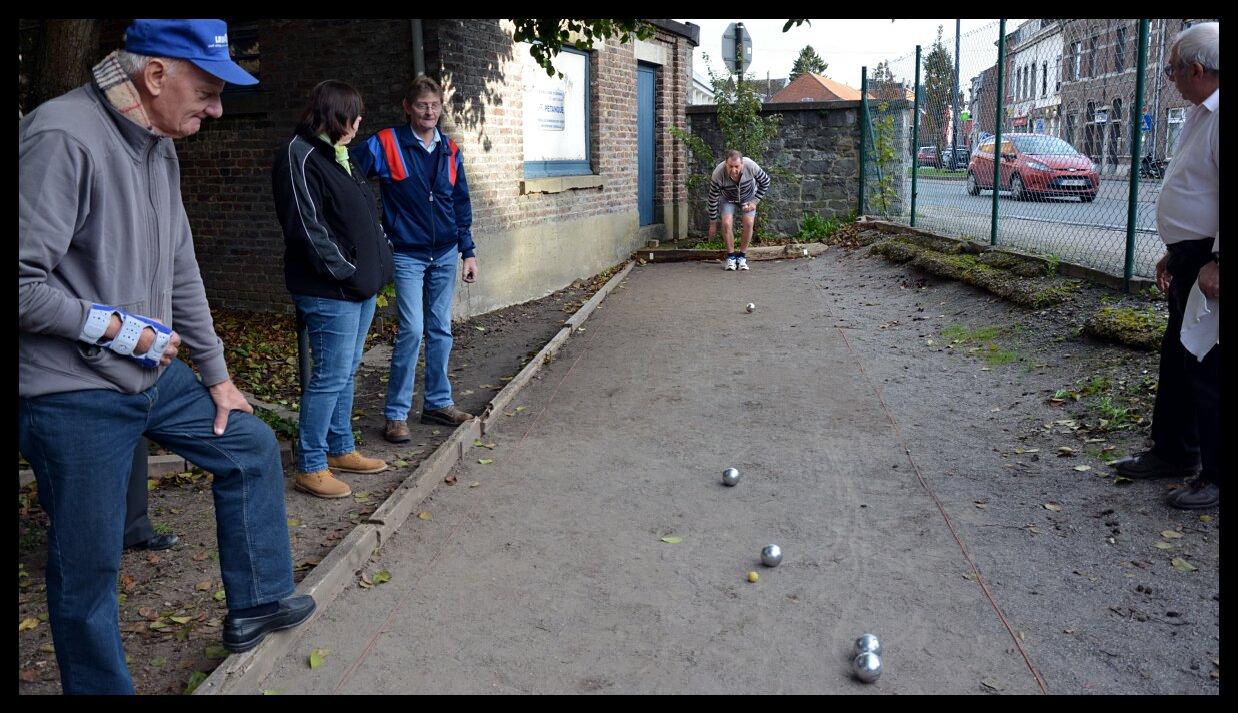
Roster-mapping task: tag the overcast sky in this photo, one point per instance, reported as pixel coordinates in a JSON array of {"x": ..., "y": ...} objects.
[{"x": 848, "y": 45}]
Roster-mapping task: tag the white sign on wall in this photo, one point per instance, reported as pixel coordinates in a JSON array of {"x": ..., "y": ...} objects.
[{"x": 554, "y": 108}]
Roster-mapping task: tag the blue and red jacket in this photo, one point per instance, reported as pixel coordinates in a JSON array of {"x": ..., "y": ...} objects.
[{"x": 423, "y": 218}]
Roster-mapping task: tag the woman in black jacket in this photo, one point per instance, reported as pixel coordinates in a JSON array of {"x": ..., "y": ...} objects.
[{"x": 336, "y": 259}]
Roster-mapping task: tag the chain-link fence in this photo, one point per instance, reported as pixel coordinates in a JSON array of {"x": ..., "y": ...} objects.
[{"x": 1075, "y": 97}]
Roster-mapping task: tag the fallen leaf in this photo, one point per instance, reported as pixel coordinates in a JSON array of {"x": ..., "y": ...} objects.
[
  {"x": 1083, "y": 468},
  {"x": 474, "y": 484},
  {"x": 1182, "y": 565},
  {"x": 203, "y": 586},
  {"x": 195, "y": 679},
  {"x": 158, "y": 625},
  {"x": 480, "y": 329},
  {"x": 215, "y": 652},
  {"x": 181, "y": 619},
  {"x": 47, "y": 649},
  {"x": 991, "y": 683},
  {"x": 365, "y": 581},
  {"x": 519, "y": 409},
  {"x": 219, "y": 596},
  {"x": 27, "y": 624},
  {"x": 485, "y": 461},
  {"x": 1171, "y": 534},
  {"x": 672, "y": 539},
  {"x": 293, "y": 522},
  {"x": 361, "y": 497},
  {"x": 317, "y": 657},
  {"x": 270, "y": 692},
  {"x": 381, "y": 576},
  {"x": 400, "y": 463},
  {"x": 423, "y": 515},
  {"x": 152, "y": 559},
  {"x": 1163, "y": 546},
  {"x": 1121, "y": 480},
  {"x": 971, "y": 576},
  {"x": 450, "y": 479},
  {"x": 199, "y": 556},
  {"x": 127, "y": 582},
  {"x": 148, "y": 613},
  {"x": 151, "y": 484},
  {"x": 29, "y": 675},
  {"x": 1205, "y": 518},
  {"x": 1065, "y": 451},
  {"x": 1052, "y": 506}
]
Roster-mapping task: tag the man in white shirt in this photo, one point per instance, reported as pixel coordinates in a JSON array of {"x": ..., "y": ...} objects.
[{"x": 1186, "y": 421}]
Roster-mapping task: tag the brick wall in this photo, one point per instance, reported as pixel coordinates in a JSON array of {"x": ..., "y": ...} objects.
[{"x": 226, "y": 166}]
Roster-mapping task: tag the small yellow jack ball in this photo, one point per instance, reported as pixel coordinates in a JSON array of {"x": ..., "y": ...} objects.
[{"x": 753, "y": 576}]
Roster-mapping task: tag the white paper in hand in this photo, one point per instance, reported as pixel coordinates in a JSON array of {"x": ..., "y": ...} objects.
[{"x": 1200, "y": 323}]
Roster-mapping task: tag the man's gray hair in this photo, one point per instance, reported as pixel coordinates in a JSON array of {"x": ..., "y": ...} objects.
[
  {"x": 1200, "y": 43},
  {"x": 733, "y": 154},
  {"x": 133, "y": 63}
]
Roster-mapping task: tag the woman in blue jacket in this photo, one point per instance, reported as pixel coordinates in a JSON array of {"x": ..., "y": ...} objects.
[
  {"x": 336, "y": 259},
  {"x": 427, "y": 213}
]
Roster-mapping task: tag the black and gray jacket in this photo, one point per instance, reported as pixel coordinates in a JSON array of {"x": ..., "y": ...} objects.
[
  {"x": 750, "y": 188},
  {"x": 334, "y": 245}
]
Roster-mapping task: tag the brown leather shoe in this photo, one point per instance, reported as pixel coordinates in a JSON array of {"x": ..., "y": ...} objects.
[
  {"x": 323, "y": 484},
  {"x": 356, "y": 463},
  {"x": 450, "y": 416},
  {"x": 397, "y": 432}
]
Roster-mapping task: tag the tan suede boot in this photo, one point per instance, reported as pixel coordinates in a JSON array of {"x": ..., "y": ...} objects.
[
  {"x": 322, "y": 483},
  {"x": 356, "y": 463}
]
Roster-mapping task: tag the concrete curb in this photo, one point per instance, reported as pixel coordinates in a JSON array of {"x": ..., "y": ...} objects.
[
  {"x": 242, "y": 673},
  {"x": 765, "y": 252}
]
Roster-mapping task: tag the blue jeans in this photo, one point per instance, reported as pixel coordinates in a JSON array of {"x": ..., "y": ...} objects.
[
  {"x": 424, "y": 289},
  {"x": 80, "y": 445},
  {"x": 337, "y": 330}
]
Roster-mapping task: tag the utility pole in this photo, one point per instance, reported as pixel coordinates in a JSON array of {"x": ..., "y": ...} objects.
[{"x": 954, "y": 98}]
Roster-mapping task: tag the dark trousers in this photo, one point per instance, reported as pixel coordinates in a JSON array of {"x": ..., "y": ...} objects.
[
  {"x": 137, "y": 524},
  {"x": 1186, "y": 421}
]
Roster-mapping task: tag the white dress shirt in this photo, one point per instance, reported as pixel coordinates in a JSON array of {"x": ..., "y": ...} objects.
[{"x": 1189, "y": 204}]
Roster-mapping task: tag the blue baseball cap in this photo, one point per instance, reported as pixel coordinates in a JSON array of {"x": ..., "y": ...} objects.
[{"x": 202, "y": 42}]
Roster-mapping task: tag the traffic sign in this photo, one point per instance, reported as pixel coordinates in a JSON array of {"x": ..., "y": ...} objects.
[{"x": 733, "y": 31}]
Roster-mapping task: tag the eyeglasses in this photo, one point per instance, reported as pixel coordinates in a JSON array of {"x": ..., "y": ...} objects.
[{"x": 423, "y": 106}]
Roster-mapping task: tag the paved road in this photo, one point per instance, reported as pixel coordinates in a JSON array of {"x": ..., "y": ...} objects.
[
  {"x": 551, "y": 575},
  {"x": 1092, "y": 234}
]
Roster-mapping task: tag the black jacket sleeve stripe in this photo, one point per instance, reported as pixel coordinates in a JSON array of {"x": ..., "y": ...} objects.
[{"x": 326, "y": 250}]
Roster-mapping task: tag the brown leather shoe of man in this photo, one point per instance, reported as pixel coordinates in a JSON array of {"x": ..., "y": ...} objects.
[
  {"x": 450, "y": 416},
  {"x": 356, "y": 463},
  {"x": 397, "y": 432},
  {"x": 323, "y": 484}
]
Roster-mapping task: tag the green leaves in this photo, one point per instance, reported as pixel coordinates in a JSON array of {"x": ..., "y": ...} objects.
[
  {"x": 548, "y": 36},
  {"x": 216, "y": 652},
  {"x": 381, "y": 576},
  {"x": 195, "y": 679},
  {"x": 317, "y": 657},
  {"x": 672, "y": 539},
  {"x": 485, "y": 461}
]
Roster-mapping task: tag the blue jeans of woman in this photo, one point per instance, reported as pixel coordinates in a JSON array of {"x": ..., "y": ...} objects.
[
  {"x": 81, "y": 444},
  {"x": 337, "y": 330},
  {"x": 424, "y": 290}
]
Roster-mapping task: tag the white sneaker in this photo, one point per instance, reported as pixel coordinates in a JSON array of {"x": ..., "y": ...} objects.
[
  {"x": 743, "y": 263},
  {"x": 730, "y": 264}
]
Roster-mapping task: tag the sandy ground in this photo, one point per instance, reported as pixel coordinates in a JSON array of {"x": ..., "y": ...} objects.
[{"x": 876, "y": 460}]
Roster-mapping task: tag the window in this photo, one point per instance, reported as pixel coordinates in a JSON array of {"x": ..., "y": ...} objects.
[
  {"x": 556, "y": 116},
  {"x": 1119, "y": 50},
  {"x": 1070, "y": 128},
  {"x": 1093, "y": 47},
  {"x": 1031, "y": 84},
  {"x": 1044, "y": 79},
  {"x": 1078, "y": 55},
  {"x": 1176, "y": 119},
  {"x": 243, "y": 46}
]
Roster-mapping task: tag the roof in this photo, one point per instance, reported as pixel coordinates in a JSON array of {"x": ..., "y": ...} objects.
[{"x": 818, "y": 87}]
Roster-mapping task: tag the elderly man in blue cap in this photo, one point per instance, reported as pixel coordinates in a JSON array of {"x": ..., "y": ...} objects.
[{"x": 108, "y": 286}]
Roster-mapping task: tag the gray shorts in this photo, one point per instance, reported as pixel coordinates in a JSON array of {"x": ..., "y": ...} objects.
[{"x": 732, "y": 208}]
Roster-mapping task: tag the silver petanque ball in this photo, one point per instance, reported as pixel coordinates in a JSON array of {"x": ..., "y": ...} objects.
[
  {"x": 867, "y": 644},
  {"x": 751, "y": 308},
  {"x": 730, "y": 476},
  {"x": 771, "y": 555},
  {"x": 867, "y": 667}
]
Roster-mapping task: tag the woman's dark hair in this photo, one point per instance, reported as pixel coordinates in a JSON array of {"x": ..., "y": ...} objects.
[{"x": 333, "y": 107}]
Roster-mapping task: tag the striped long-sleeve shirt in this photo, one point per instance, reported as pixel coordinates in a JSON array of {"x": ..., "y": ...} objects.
[{"x": 751, "y": 187}]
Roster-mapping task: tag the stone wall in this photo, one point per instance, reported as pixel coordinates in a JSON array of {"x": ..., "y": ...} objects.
[{"x": 813, "y": 162}]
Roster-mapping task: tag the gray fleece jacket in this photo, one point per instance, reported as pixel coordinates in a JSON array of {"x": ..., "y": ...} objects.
[{"x": 100, "y": 220}]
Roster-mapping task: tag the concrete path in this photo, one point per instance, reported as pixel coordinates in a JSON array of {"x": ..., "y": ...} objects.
[{"x": 550, "y": 575}]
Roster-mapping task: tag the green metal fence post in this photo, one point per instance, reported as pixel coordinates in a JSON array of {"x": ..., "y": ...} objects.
[
  {"x": 1136, "y": 138},
  {"x": 997, "y": 126},
  {"x": 915, "y": 139},
  {"x": 863, "y": 128}
]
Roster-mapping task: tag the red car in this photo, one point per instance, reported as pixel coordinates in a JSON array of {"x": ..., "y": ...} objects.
[
  {"x": 927, "y": 156},
  {"x": 1034, "y": 165}
]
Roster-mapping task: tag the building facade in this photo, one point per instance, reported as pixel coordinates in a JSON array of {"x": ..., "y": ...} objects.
[
  {"x": 1033, "y": 100},
  {"x": 557, "y": 189}
]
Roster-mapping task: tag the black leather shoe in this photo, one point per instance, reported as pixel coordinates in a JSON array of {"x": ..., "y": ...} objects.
[
  {"x": 1146, "y": 466},
  {"x": 1199, "y": 494},
  {"x": 158, "y": 542},
  {"x": 244, "y": 633}
]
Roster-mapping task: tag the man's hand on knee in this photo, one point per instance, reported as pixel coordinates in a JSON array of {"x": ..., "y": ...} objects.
[{"x": 227, "y": 399}]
